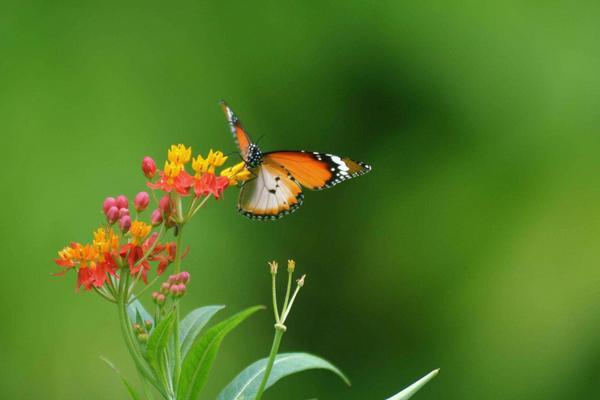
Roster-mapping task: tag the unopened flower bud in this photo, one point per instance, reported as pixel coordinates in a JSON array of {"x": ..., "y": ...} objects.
[
  {"x": 137, "y": 327},
  {"x": 165, "y": 205},
  {"x": 122, "y": 201},
  {"x": 125, "y": 223},
  {"x": 112, "y": 215},
  {"x": 172, "y": 279},
  {"x": 174, "y": 290},
  {"x": 148, "y": 325},
  {"x": 164, "y": 287},
  {"x": 291, "y": 265},
  {"x": 148, "y": 167},
  {"x": 108, "y": 203},
  {"x": 143, "y": 337},
  {"x": 273, "y": 266},
  {"x": 184, "y": 276},
  {"x": 154, "y": 295},
  {"x": 141, "y": 201},
  {"x": 159, "y": 298},
  {"x": 300, "y": 281},
  {"x": 123, "y": 212},
  {"x": 156, "y": 217}
]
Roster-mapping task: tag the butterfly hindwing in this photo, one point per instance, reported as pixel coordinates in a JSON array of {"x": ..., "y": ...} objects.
[
  {"x": 316, "y": 171},
  {"x": 271, "y": 194},
  {"x": 239, "y": 134}
]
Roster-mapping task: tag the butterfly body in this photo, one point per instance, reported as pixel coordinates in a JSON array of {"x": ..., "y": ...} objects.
[{"x": 278, "y": 176}]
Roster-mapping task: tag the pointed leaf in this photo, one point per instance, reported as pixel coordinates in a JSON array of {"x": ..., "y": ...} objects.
[
  {"x": 136, "y": 310},
  {"x": 412, "y": 389},
  {"x": 193, "y": 323},
  {"x": 245, "y": 385},
  {"x": 130, "y": 389},
  {"x": 157, "y": 344},
  {"x": 201, "y": 355}
]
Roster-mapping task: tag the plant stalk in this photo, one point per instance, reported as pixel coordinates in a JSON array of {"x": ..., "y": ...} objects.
[{"x": 279, "y": 331}]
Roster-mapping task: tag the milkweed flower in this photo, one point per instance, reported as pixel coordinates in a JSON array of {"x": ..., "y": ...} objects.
[
  {"x": 94, "y": 262},
  {"x": 173, "y": 177},
  {"x": 237, "y": 173}
]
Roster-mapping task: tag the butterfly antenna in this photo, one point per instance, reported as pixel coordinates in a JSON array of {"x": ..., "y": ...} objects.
[{"x": 259, "y": 139}]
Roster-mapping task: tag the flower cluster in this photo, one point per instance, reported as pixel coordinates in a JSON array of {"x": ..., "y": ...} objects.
[
  {"x": 203, "y": 182},
  {"x": 126, "y": 242},
  {"x": 175, "y": 286}
]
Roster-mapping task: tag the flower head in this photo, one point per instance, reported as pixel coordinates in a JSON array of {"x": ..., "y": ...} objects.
[
  {"x": 237, "y": 173},
  {"x": 138, "y": 231},
  {"x": 179, "y": 154},
  {"x": 202, "y": 165}
]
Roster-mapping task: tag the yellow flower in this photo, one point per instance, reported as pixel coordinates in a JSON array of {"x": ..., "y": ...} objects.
[
  {"x": 237, "y": 173},
  {"x": 200, "y": 165},
  {"x": 105, "y": 241},
  {"x": 67, "y": 254},
  {"x": 179, "y": 154},
  {"x": 139, "y": 230},
  {"x": 208, "y": 164},
  {"x": 172, "y": 170}
]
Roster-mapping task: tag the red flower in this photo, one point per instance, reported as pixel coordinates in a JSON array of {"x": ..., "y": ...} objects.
[
  {"x": 173, "y": 177},
  {"x": 208, "y": 184},
  {"x": 134, "y": 253}
]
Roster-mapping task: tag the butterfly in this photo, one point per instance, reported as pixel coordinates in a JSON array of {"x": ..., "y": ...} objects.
[{"x": 275, "y": 189}]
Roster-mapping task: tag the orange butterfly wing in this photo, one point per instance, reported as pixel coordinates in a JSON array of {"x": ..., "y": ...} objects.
[
  {"x": 239, "y": 134},
  {"x": 316, "y": 171}
]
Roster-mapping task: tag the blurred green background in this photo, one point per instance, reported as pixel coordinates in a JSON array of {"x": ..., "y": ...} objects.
[{"x": 472, "y": 246}]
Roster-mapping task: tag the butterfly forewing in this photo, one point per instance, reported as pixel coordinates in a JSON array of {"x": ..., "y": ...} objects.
[
  {"x": 314, "y": 170},
  {"x": 271, "y": 194},
  {"x": 239, "y": 134}
]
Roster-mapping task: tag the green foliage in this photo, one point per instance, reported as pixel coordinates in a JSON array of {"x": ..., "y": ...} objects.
[
  {"x": 245, "y": 385},
  {"x": 137, "y": 313},
  {"x": 193, "y": 323},
  {"x": 412, "y": 389},
  {"x": 130, "y": 388},
  {"x": 156, "y": 351},
  {"x": 197, "y": 363}
]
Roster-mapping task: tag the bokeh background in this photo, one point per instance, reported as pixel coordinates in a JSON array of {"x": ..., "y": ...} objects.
[{"x": 471, "y": 247}]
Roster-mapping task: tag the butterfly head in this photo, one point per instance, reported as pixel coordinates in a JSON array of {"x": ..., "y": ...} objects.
[{"x": 254, "y": 156}]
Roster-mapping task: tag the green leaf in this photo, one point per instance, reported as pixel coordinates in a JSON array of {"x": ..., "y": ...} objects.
[
  {"x": 196, "y": 365},
  {"x": 130, "y": 389},
  {"x": 245, "y": 385},
  {"x": 412, "y": 389},
  {"x": 157, "y": 344},
  {"x": 136, "y": 310},
  {"x": 193, "y": 323}
]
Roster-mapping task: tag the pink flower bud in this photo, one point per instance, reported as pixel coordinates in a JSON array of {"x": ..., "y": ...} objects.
[
  {"x": 122, "y": 201},
  {"x": 125, "y": 223},
  {"x": 165, "y": 205},
  {"x": 172, "y": 279},
  {"x": 181, "y": 288},
  {"x": 148, "y": 167},
  {"x": 156, "y": 217},
  {"x": 141, "y": 201},
  {"x": 160, "y": 299},
  {"x": 184, "y": 277},
  {"x": 174, "y": 290},
  {"x": 123, "y": 212},
  {"x": 164, "y": 287},
  {"x": 112, "y": 215},
  {"x": 154, "y": 295},
  {"x": 108, "y": 203}
]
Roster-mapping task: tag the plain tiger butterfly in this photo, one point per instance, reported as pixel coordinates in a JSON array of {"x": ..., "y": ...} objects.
[{"x": 275, "y": 188}]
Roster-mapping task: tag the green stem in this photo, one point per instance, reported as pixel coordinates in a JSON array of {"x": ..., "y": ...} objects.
[
  {"x": 275, "y": 310},
  {"x": 132, "y": 346},
  {"x": 287, "y": 293},
  {"x": 279, "y": 330},
  {"x": 176, "y": 344}
]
